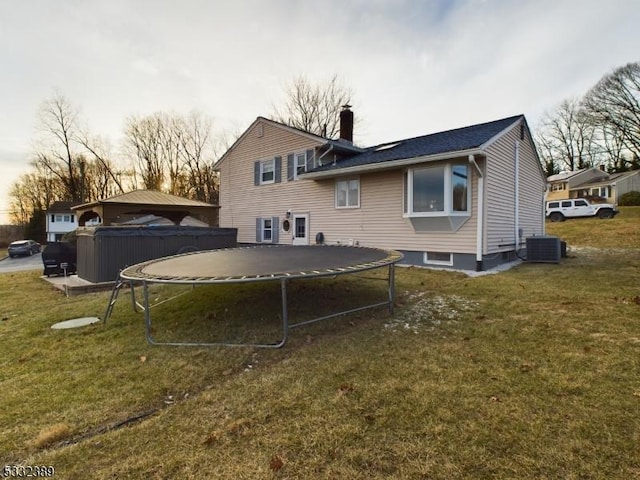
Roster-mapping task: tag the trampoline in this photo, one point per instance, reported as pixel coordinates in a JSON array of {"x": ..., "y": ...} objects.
[{"x": 277, "y": 263}]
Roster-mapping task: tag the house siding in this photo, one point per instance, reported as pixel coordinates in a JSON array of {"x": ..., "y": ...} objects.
[
  {"x": 378, "y": 221},
  {"x": 241, "y": 202},
  {"x": 627, "y": 184},
  {"x": 501, "y": 191}
]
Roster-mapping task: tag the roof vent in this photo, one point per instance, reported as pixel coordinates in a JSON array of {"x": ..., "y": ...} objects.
[{"x": 386, "y": 146}]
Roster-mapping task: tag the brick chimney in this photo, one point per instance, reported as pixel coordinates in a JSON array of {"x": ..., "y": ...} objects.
[{"x": 346, "y": 123}]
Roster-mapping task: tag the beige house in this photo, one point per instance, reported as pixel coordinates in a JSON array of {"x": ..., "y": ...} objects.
[
  {"x": 465, "y": 198},
  {"x": 592, "y": 182}
]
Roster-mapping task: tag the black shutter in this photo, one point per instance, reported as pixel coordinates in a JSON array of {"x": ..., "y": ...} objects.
[
  {"x": 309, "y": 161},
  {"x": 277, "y": 177},
  {"x": 290, "y": 167},
  {"x": 256, "y": 173},
  {"x": 258, "y": 230},
  {"x": 275, "y": 229}
]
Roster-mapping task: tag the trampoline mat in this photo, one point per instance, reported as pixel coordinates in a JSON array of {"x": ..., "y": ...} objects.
[{"x": 260, "y": 263}]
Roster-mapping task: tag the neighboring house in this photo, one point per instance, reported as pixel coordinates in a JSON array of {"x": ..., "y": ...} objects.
[
  {"x": 561, "y": 184},
  {"x": 465, "y": 198},
  {"x": 592, "y": 182},
  {"x": 60, "y": 220}
]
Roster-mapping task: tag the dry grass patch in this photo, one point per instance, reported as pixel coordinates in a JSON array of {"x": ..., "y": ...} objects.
[{"x": 51, "y": 435}]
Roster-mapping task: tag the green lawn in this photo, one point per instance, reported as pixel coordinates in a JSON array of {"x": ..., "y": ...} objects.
[{"x": 527, "y": 374}]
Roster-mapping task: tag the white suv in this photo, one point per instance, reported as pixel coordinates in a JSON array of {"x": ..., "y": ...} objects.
[{"x": 559, "y": 210}]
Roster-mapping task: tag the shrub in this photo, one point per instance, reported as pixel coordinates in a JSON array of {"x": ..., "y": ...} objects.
[{"x": 630, "y": 199}]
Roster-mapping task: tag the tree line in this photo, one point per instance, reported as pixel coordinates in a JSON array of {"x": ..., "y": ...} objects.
[
  {"x": 602, "y": 128},
  {"x": 170, "y": 152},
  {"x": 162, "y": 151}
]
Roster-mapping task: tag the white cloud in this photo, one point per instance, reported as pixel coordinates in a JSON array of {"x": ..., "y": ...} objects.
[{"x": 415, "y": 67}]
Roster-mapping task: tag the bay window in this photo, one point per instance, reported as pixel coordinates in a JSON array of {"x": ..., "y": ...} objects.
[{"x": 440, "y": 190}]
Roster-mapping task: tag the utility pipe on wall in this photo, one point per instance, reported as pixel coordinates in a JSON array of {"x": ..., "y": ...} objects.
[
  {"x": 480, "y": 222},
  {"x": 517, "y": 196}
]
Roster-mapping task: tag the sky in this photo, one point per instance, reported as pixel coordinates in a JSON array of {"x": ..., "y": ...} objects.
[{"x": 415, "y": 66}]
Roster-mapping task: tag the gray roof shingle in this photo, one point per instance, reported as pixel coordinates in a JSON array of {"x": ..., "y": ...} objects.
[{"x": 450, "y": 141}]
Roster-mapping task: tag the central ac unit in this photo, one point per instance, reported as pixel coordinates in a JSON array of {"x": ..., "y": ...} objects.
[{"x": 544, "y": 249}]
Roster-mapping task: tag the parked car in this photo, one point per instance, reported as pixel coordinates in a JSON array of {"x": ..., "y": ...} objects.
[
  {"x": 559, "y": 210},
  {"x": 60, "y": 258},
  {"x": 23, "y": 247}
]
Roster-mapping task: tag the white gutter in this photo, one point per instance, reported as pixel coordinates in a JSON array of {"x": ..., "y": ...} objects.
[
  {"x": 517, "y": 196},
  {"x": 480, "y": 222},
  {"x": 388, "y": 165}
]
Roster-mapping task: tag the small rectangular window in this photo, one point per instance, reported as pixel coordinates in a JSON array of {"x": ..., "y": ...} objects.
[
  {"x": 267, "y": 230},
  {"x": 580, "y": 203},
  {"x": 554, "y": 204},
  {"x": 438, "y": 258},
  {"x": 267, "y": 171},
  {"x": 348, "y": 193},
  {"x": 300, "y": 164},
  {"x": 459, "y": 186},
  {"x": 566, "y": 204}
]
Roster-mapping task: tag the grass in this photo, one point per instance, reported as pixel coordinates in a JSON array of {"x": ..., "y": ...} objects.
[
  {"x": 623, "y": 229},
  {"x": 531, "y": 373}
]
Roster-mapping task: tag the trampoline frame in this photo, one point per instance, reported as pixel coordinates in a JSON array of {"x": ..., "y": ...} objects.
[{"x": 132, "y": 275}]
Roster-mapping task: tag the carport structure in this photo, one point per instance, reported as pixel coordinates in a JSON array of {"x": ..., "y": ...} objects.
[{"x": 117, "y": 209}]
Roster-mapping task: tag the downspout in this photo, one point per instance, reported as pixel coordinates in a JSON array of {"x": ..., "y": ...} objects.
[
  {"x": 517, "y": 197},
  {"x": 480, "y": 222}
]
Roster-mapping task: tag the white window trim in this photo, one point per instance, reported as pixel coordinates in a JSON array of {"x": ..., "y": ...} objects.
[
  {"x": 428, "y": 261},
  {"x": 263, "y": 229},
  {"x": 262, "y": 164},
  {"x": 346, "y": 180},
  {"x": 295, "y": 163},
  {"x": 448, "y": 194}
]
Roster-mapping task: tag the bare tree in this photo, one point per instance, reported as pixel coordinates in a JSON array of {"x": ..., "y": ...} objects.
[
  {"x": 57, "y": 154},
  {"x": 198, "y": 153},
  {"x": 70, "y": 154},
  {"x": 314, "y": 108},
  {"x": 111, "y": 176},
  {"x": 568, "y": 137},
  {"x": 143, "y": 141},
  {"x": 174, "y": 153},
  {"x": 614, "y": 102},
  {"x": 613, "y": 144},
  {"x": 34, "y": 191}
]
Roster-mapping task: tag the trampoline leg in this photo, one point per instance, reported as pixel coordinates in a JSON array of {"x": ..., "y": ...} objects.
[
  {"x": 112, "y": 299},
  {"x": 392, "y": 287},
  {"x": 147, "y": 313},
  {"x": 285, "y": 313}
]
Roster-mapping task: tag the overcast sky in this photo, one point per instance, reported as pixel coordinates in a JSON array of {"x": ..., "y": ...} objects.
[{"x": 416, "y": 67}]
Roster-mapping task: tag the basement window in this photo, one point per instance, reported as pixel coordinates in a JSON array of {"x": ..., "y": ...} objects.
[{"x": 438, "y": 258}]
